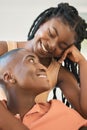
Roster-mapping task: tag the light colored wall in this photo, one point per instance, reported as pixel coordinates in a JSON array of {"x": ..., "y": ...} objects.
[{"x": 16, "y": 16}]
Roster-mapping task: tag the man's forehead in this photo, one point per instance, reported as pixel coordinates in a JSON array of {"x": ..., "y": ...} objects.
[{"x": 25, "y": 52}]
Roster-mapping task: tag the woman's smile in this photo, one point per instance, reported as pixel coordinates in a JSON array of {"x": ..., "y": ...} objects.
[{"x": 41, "y": 50}]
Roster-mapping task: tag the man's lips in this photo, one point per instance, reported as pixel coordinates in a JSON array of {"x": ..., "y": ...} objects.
[{"x": 42, "y": 74}]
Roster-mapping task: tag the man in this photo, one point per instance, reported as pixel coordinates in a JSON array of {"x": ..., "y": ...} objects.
[{"x": 23, "y": 78}]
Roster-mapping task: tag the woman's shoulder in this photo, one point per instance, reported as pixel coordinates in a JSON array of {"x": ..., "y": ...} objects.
[
  {"x": 65, "y": 77},
  {"x": 64, "y": 73}
]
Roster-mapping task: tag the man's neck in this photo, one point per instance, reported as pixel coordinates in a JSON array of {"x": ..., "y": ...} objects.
[{"x": 20, "y": 104}]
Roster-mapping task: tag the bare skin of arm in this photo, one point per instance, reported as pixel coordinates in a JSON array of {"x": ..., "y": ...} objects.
[
  {"x": 8, "y": 121},
  {"x": 83, "y": 85},
  {"x": 70, "y": 88},
  {"x": 76, "y": 94},
  {"x": 3, "y": 47}
]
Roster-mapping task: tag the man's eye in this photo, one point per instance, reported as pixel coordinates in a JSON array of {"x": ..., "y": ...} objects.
[{"x": 31, "y": 60}]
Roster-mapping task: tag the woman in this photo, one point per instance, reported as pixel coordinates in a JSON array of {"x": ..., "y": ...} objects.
[{"x": 58, "y": 32}]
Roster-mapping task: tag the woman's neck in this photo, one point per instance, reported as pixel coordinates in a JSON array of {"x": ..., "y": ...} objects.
[{"x": 45, "y": 61}]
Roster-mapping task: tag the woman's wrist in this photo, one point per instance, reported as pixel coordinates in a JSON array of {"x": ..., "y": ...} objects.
[{"x": 82, "y": 61}]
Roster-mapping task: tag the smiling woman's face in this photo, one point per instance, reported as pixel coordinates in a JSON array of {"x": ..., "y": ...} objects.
[{"x": 53, "y": 38}]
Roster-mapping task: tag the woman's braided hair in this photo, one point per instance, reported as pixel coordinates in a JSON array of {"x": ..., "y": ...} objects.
[{"x": 69, "y": 15}]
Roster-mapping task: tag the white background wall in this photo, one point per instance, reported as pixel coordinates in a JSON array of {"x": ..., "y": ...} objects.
[{"x": 16, "y": 16}]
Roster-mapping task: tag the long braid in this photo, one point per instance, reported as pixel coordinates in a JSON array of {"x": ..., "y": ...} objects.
[
  {"x": 69, "y": 15},
  {"x": 38, "y": 21}
]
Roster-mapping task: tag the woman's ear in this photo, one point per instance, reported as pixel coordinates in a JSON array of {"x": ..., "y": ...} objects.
[{"x": 9, "y": 78}]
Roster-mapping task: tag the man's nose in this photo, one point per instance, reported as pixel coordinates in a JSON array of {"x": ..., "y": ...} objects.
[{"x": 41, "y": 66}]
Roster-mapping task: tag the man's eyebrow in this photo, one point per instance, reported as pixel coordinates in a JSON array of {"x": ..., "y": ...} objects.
[
  {"x": 56, "y": 31},
  {"x": 32, "y": 56}
]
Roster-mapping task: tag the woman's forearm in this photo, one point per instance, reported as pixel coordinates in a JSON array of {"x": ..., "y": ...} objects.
[
  {"x": 83, "y": 84},
  {"x": 3, "y": 47}
]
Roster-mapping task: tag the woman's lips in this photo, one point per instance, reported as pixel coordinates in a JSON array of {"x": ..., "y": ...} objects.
[
  {"x": 43, "y": 47},
  {"x": 41, "y": 50}
]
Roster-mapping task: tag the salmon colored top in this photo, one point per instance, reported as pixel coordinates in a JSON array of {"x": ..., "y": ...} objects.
[{"x": 53, "y": 115}]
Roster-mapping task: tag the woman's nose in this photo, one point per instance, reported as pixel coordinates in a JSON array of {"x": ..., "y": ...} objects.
[{"x": 52, "y": 46}]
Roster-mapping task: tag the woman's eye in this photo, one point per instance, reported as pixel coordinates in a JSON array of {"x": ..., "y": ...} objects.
[
  {"x": 62, "y": 46},
  {"x": 52, "y": 33}
]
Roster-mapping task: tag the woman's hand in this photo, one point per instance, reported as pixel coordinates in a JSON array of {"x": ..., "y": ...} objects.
[{"x": 73, "y": 54}]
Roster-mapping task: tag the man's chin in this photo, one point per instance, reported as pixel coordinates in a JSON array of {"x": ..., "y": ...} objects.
[{"x": 42, "y": 97}]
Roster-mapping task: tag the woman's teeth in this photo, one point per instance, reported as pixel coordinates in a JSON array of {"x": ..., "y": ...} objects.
[{"x": 43, "y": 48}]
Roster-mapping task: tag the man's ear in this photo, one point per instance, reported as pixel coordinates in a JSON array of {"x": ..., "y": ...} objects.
[{"x": 9, "y": 78}]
